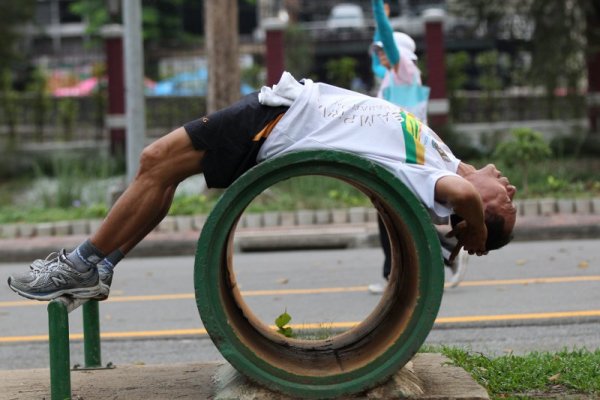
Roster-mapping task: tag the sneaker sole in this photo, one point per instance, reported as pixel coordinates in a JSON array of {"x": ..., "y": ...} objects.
[
  {"x": 78, "y": 293},
  {"x": 104, "y": 291},
  {"x": 376, "y": 290}
]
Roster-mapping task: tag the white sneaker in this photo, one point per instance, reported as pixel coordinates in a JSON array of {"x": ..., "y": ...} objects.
[
  {"x": 458, "y": 268},
  {"x": 377, "y": 288}
]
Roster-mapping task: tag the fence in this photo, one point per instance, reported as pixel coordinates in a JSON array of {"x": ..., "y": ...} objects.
[
  {"x": 475, "y": 107},
  {"x": 87, "y": 118}
]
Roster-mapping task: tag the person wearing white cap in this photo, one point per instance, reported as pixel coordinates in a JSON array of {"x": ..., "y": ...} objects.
[{"x": 401, "y": 84}]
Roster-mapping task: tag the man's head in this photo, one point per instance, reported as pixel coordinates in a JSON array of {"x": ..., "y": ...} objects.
[{"x": 500, "y": 213}]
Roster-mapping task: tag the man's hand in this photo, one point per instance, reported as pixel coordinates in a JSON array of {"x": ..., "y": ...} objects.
[
  {"x": 462, "y": 196},
  {"x": 470, "y": 236}
]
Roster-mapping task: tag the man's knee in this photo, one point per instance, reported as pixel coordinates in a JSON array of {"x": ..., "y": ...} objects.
[
  {"x": 152, "y": 157},
  {"x": 170, "y": 158}
]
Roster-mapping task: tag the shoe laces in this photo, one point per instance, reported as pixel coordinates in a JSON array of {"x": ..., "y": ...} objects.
[{"x": 40, "y": 266}]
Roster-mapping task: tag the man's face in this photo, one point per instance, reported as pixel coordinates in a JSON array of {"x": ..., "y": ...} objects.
[{"x": 497, "y": 194}]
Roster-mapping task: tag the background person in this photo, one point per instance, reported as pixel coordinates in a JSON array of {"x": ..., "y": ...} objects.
[{"x": 393, "y": 63}]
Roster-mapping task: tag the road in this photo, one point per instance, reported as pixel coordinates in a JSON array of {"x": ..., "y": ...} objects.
[{"x": 528, "y": 296}]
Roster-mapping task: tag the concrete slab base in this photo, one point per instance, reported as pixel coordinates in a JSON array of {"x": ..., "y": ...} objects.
[
  {"x": 128, "y": 382},
  {"x": 427, "y": 376}
]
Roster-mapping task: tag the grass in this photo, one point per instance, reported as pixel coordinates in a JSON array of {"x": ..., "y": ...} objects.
[
  {"x": 565, "y": 374},
  {"x": 564, "y": 178},
  {"x": 535, "y": 375},
  {"x": 14, "y": 214},
  {"x": 306, "y": 192}
]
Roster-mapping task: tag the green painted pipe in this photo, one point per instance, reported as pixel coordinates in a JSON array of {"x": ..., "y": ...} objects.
[
  {"x": 58, "y": 338},
  {"x": 91, "y": 334},
  {"x": 360, "y": 358}
]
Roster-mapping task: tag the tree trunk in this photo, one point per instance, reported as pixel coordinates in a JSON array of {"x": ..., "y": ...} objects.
[{"x": 222, "y": 51}]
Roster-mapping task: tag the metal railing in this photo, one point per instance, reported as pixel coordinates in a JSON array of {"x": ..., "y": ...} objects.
[{"x": 58, "y": 335}]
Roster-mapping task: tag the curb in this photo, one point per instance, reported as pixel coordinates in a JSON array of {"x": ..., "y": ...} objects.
[{"x": 280, "y": 238}]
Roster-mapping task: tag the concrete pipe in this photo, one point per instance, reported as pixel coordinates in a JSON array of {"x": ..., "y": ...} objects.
[{"x": 359, "y": 358}]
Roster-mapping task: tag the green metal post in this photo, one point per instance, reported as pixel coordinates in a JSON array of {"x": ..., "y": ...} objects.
[
  {"x": 91, "y": 334},
  {"x": 58, "y": 335}
]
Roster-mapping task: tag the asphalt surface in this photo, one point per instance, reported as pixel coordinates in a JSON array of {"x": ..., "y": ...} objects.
[
  {"x": 568, "y": 332},
  {"x": 539, "y": 295}
]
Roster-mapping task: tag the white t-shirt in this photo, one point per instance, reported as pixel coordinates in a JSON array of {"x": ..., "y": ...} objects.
[{"x": 327, "y": 117}]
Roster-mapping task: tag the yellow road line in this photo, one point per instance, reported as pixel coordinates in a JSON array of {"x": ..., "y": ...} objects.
[
  {"x": 518, "y": 317},
  {"x": 532, "y": 281},
  {"x": 110, "y": 335},
  {"x": 251, "y": 293},
  {"x": 350, "y": 289},
  {"x": 325, "y": 325},
  {"x": 188, "y": 296}
]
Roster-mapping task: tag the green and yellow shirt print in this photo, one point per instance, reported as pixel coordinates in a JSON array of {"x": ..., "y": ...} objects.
[{"x": 412, "y": 128}]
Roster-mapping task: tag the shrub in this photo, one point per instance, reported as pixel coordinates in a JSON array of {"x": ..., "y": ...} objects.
[
  {"x": 527, "y": 147},
  {"x": 341, "y": 71}
]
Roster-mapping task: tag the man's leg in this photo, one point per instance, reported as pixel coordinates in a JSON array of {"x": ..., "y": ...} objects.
[
  {"x": 107, "y": 265},
  {"x": 142, "y": 233},
  {"x": 387, "y": 250},
  {"x": 163, "y": 165},
  {"x": 458, "y": 267},
  {"x": 379, "y": 287}
]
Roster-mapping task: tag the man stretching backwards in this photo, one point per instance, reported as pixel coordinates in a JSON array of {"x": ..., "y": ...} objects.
[{"x": 291, "y": 116}]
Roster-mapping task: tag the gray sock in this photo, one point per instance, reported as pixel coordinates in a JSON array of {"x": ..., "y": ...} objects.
[
  {"x": 85, "y": 256},
  {"x": 113, "y": 259}
]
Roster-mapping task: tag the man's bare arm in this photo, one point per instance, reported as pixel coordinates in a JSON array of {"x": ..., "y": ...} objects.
[{"x": 462, "y": 196}]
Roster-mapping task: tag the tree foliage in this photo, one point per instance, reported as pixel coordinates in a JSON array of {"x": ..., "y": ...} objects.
[
  {"x": 456, "y": 64},
  {"x": 493, "y": 17},
  {"x": 341, "y": 71},
  {"x": 8, "y": 106},
  {"x": 94, "y": 12},
  {"x": 556, "y": 29},
  {"x": 456, "y": 78},
  {"x": 38, "y": 87},
  {"x": 488, "y": 65},
  {"x": 162, "y": 25},
  {"x": 162, "y": 20},
  {"x": 13, "y": 16},
  {"x": 299, "y": 51},
  {"x": 559, "y": 46}
]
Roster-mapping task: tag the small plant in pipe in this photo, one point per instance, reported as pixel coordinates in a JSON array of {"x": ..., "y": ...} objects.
[{"x": 281, "y": 322}]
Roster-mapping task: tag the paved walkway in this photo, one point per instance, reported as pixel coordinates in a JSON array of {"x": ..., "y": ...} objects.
[{"x": 428, "y": 376}]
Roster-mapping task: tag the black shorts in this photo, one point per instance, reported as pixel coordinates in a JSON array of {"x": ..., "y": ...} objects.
[{"x": 226, "y": 136}]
